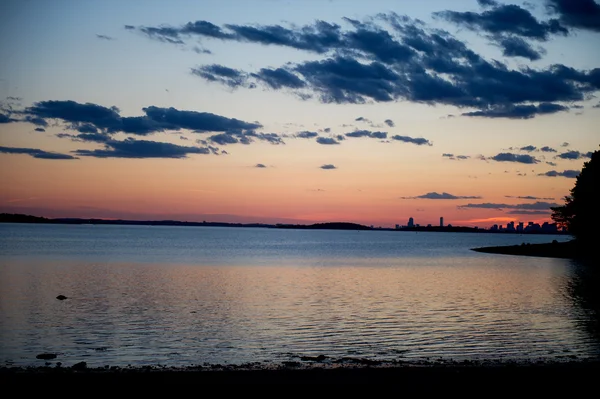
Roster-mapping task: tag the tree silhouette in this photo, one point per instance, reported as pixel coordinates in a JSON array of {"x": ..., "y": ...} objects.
[{"x": 581, "y": 212}]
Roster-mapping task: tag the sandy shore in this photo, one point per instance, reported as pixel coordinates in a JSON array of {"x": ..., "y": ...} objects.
[{"x": 541, "y": 377}]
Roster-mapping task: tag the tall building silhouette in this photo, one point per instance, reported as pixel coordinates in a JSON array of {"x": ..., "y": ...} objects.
[
  {"x": 411, "y": 222},
  {"x": 441, "y": 221}
]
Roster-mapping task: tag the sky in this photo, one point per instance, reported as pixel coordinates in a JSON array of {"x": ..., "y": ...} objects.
[{"x": 288, "y": 111}]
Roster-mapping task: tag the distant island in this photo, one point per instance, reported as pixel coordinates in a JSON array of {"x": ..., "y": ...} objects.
[{"x": 21, "y": 218}]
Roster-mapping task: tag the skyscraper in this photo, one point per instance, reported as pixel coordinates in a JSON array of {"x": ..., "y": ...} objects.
[
  {"x": 441, "y": 221},
  {"x": 411, "y": 222}
]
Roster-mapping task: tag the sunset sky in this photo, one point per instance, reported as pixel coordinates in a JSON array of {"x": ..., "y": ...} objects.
[{"x": 371, "y": 112}]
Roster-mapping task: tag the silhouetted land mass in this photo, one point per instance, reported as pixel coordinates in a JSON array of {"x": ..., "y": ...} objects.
[
  {"x": 580, "y": 215},
  {"x": 21, "y": 218},
  {"x": 570, "y": 249},
  {"x": 326, "y": 226}
]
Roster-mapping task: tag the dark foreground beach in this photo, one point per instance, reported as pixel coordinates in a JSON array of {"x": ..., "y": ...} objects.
[{"x": 539, "y": 377}]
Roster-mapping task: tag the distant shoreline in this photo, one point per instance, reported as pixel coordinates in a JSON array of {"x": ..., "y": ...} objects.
[{"x": 21, "y": 218}]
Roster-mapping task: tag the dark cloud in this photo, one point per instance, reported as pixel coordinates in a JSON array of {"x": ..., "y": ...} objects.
[
  {"x": 518, "y": 111},
  {"x": 75, "y": 113},
  {"x": 259, "y": 165},
  {"x": 565, "y": 144},
  {"x": 551, "y": 163},
  {"x": 571, "y": 174},
  {"x": 517, "y": 47},
  {"x": 443, "y": 196},
  {"x": 574, "y": 155},
  {"x": 389, "y": 122},
  {"x": 582, "y": 14},
  {"x": 104, "y": 37},
  {"x": 279, "y": 78},
  {"x": 528, "y": 197},
  {"x": 272, "y": 138},
  {"x": 528, "y": 148},
  {"x": 487, "y": 3},
  {"x": 196, "y": 121},
  {"x": 547, "y": 149},
  {"x": 6, "y": 118},
  {"x": 510, "y": 157},
  {"x": 92, "y": 118},
  {"x": 200, "y": 50},
  {"x": 328, "y": 166},
  {"x": 36, "y": 121},
  {"x": 306, "y": 134},
  {"x": 367, "y": 133},
  {"x": 327, "y": 140},
  {"x": 85, "y": 128},
  {"x": 455, "y": 157},
  {"x": 506, "y": 19},
  {"x": 89, "y": 137},
  {"x": 131, "y": 148},
  {"x": 39, "y": 129},
  {"x": 222, "y": 74},
  {"x": 417, "y": 141},
  {"x": 536, "y": 206},
  {"x": 36, "y": 153},
  {"x": 164, "y": 34},
  {"x": 224, "y": 139},
  {"x": 367, "y": 63}
]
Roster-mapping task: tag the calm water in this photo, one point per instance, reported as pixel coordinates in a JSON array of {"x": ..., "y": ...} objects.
[{"x": 180, "y": 296}]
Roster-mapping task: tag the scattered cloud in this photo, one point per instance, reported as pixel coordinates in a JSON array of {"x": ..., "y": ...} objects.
[
  {"x": 367, "y": 133},
  {"x": 443, "y": 196},
  {"x": 218, "y": 73},
  {"x": 547, "y": 149},
  {"x": 571, "y": 174},
  {"x": 510, "y": 157},
  {"x": 39, "y": 129},
  {"x": 327, "y": 140},
  {"x": 455, "y": 157},
  {"x": 259, "y": 165},
  {"x": 390, "y": 57},
  {"x": 104, "y": 37},
  {"x": 417, "y": 141},
  {"x": 574, "y": 155},
  {"x": 518, "y": 111},
  {"x": 551, "y": 163},
  {"x": 535, "y": 206},
  {"x": 529, "y": 148},
  {"x": 36, "y": 153},
  {"x": 306, "y": 134},
  {"x": 505, "y": 19},
  {"x": 580, "y": 14},
  {"x": 131, "y": 148},
  {"x": 389, "y": 122},
  {"x": 91, "y": 117},
  {"x": 328, "y": 166}
]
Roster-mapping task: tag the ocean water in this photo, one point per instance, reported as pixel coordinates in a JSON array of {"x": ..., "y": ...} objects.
[{"x": 186, "y": 296}]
